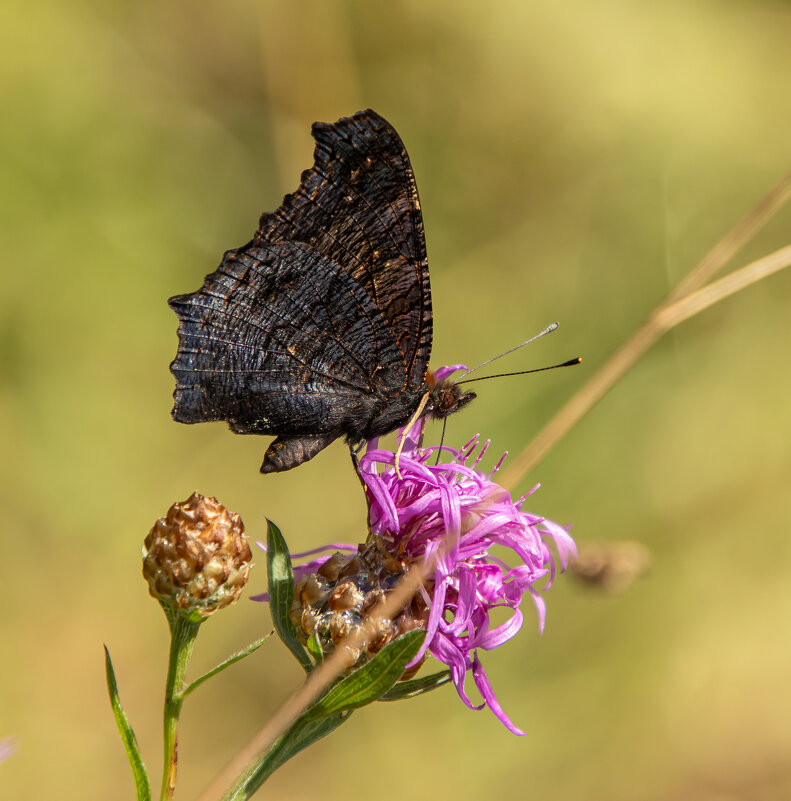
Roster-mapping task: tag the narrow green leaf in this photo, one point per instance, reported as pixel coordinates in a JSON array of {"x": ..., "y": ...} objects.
[
  {"x": 281, "y": 593},
  {"x": 314, "y": 646},
  {"x": 415, "y": 687},
  {"x": 373, "y": 679},
  {"x": 142, "y": 785},
  {"x": 303, "y": 732},
  {"x": 231, "y": 660}
]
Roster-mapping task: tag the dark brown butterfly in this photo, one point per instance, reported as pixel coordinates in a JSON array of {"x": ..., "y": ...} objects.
[{"x": 320, "y": 326}]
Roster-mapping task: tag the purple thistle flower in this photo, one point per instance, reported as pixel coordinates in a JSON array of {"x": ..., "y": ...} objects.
[
  {"x": 7, "y": 748},
  {"x": 453, "y": 515}
]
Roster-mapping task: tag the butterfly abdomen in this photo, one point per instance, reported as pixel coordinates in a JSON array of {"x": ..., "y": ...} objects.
[{"x": 382, "y": 414}]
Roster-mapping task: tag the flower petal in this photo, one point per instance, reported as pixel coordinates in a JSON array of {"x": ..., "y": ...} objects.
[{"x": 485, "y": 689}]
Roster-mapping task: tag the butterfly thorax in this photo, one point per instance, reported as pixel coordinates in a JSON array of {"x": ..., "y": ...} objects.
[
  {"x": 385, "y": 413},
  {"x": 380, "y": 413}
]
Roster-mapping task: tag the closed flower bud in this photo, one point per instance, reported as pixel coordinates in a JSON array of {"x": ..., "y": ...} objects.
[
  {"x": 197, "y": 558},
  {"x": 612, "y": 567}
]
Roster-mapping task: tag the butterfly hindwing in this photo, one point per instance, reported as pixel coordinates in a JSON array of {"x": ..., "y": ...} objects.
[{"x": 279, "y": 340}]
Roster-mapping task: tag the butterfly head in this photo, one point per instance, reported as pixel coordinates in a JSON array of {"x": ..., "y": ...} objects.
[{"x": 445, "y": 398}]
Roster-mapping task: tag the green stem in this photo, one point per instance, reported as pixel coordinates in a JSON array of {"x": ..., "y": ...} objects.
[
  {"x": 182, "y": 638},
  {"x": 302, "y": 733}
]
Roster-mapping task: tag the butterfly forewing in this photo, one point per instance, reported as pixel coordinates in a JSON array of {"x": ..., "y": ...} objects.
[{"x": 359, "y": 205}]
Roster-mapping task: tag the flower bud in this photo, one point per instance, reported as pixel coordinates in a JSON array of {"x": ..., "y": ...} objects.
[
  {"x": 611, "y": 567},
  {"x": 197, "y": 558}
]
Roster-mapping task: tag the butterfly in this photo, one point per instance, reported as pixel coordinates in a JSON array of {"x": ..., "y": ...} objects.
[{"x": 320, "y": 327}]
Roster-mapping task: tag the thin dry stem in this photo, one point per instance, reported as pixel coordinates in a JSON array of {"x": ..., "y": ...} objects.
[
  {"x": 660, "y": 321},
  {"x": 733, "y": 241},
  {"x": 729, "y": 285}
]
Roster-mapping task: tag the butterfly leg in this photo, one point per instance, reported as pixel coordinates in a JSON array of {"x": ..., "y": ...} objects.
[
  {"x": 287, "y": 452},
  {"x": 353, "y": 451}
]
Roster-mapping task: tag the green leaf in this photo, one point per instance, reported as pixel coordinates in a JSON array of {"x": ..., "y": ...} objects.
[
  {"x": 415, "y": 687},
  {"x": 142, "y": 784},
  {"x": 303, "y": 732},
  {"x": 281, "y": 593},
  {"x": 361, "y": 687},
  {"x": 373, "y": 679},
  {"x": 314, "y": 646},
  {"x": 231, "y": 660}
]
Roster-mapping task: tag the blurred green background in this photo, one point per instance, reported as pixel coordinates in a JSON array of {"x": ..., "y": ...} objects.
[{"x": 574, "y": 161}]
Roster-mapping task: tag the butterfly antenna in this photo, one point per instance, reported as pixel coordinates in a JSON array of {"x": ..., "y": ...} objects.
[
  {"x": 548, "y": 330},
  {"x": 569, "y": 363}
]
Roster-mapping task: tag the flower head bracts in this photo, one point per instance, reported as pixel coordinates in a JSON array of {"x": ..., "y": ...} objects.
[{"x": 451, "y": 514}]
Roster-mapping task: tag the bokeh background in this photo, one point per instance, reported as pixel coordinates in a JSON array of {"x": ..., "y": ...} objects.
[{"x": 574, "y": 161}]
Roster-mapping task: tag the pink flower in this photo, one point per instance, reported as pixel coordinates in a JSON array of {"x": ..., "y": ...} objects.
[
  {"x": 7, "y": 748},
  {"x": 450, "y": 516},
  {"x": 455, "y": 515}
]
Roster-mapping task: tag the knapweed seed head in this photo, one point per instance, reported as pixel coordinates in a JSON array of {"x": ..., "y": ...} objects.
[
  {"x": 336, "y": 597},
  {"x": 197, "y": 558}
]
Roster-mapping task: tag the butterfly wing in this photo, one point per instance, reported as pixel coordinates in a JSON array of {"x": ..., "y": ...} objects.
[
  {"x": 279, "y": 340},
  {"x": 321, "y": 325},
  {"x": 359, "y": 206}
]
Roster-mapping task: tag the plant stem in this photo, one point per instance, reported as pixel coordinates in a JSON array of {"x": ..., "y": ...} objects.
[
  {"x": 696, "y": 302},
  {"x": 677, "y": 306},
  {"x": 182, "y": 638},
  {"x": 287, "y": 715},
  {"x": 733, "y": 241}
]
